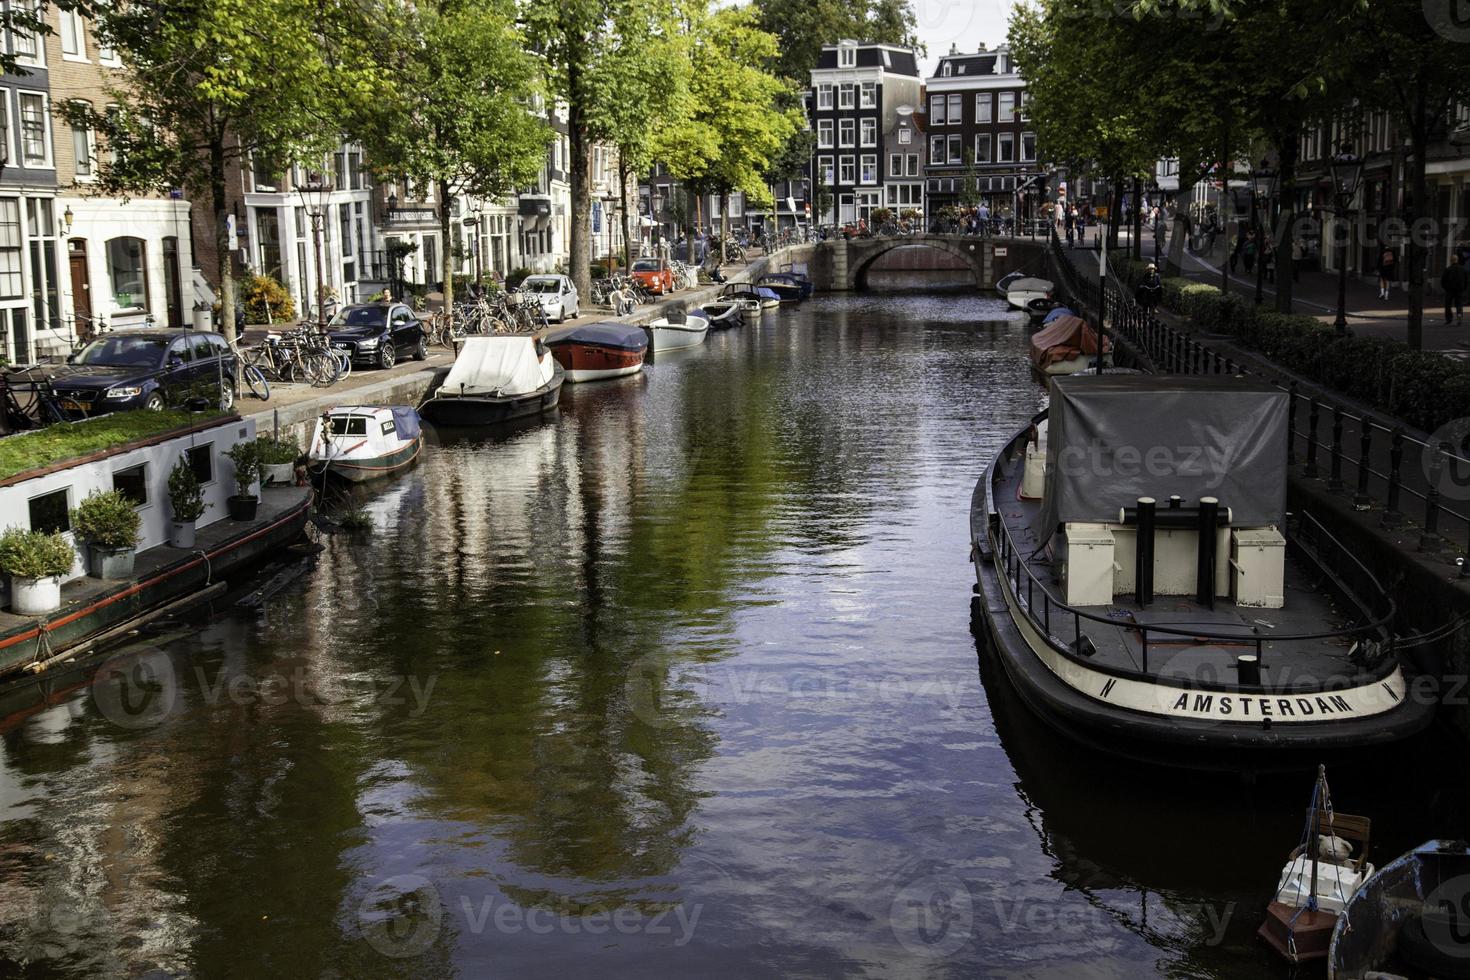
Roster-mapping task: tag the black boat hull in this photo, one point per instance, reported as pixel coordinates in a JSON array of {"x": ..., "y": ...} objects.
[{"x": 469, "y": 410}]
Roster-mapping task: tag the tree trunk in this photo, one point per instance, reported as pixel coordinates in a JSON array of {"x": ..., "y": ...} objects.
[
  {"x": 580, "y": 266},
  {"x": 724, "y": 223},
  {"x": 1115, "y": 213},
  {"x": 1138, "y": 219},
  {"x": 1285, "y": 231},
  {"x": 222, "y": 238},
  {"x": 1418, "y": 208},
  {"x": 448, "y": 244}
]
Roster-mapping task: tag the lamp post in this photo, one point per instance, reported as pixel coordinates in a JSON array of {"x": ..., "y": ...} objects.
[
  {"x": 1347, "y": 171},
  {"x": 314, "y": 190},
  {"x": 1263, "y": 184},
  {"x": 477, "y": 218}
]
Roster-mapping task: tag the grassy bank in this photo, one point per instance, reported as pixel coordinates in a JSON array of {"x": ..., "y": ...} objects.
[{"x": 70, "y": 440}]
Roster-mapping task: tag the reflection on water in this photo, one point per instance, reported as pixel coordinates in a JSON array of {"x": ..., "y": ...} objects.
[{"x": 679, "y": 681}]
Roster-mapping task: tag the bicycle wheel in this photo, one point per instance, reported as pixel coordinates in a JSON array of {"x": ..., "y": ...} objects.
[
  {"x": 344, "y": 361},
  {"x": 318, "y": 368},
  {"x": 256, "y": 382}
]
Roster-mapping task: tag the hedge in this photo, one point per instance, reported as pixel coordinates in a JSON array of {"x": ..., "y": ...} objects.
[{"x": 1424, "y": 389}]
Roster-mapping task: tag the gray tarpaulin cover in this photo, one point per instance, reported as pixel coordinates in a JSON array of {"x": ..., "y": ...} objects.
[{"x": 1113, "y": 439}]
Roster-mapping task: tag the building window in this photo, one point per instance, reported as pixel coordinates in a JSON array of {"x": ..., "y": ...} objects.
[
  {"x": 824, "y": 132},
  {"x": 49, "y": 512},
  {"x": 983, "y": 102},
  {"x": 33, "y": 129},
  {"x": 73, "y": 39},
  {"x": 824, "y": 170},
  {"x": 844, "y": 132},
  {"x": 27, "y": 44},
  {"x": 1028, "y": 147},
  {"x": 201, "y": 461},
  {"x": 868, "y": 98},
  {"x": 936, "y": 110},
  {"x": 824, "y": 96},
  {"x": 913, "y": 165},
  {"x": 5, "y": 133},
  {"x": 1007, "y": 107},
  {"x": 895, "y": 165},
  {"x": 82, "y": 148},
  {"x": 128, "y": 271},
  {"x": 844, "y": 96},
  {"x": 956, "y": 149},
  {"x": 1005, "y": 147},
  {"x": 868, "y": 172},
  {"x": 947, "y": 70},
  {"x": 11, "y": 286},
  {"x": 982, "y": 148},
  {"x": 846, "y": 56},
  {"x": 905, "y": 137},
  {"x": 132, "y": 483},
  {"x": 1021, "y": 106},
  {"x": 870, "y": 132},
  {"x": 936, "y": 150},
  {"x": 845, "y": 170},
  {"x": 953, "y": 111}
]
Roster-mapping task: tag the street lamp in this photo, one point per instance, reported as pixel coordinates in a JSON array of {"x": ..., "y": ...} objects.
[
  {"x": 1347, "y": 171},
  {"x": 314, "y": 190},
  {"x": 1263, "y": 183},
  {"x": 476, "y": 218}
]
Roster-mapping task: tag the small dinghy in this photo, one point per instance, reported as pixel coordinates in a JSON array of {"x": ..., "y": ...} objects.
[
  {"x": 1022, "y": 291},
  {"x": 797, "y": 279},
  {"x": 1067, "y": 345},
  {"x": 1408, "y": 919},
  {"x": 1056, "y": 314},
  {"x": 751, "y": 302},
  {"x": 787, "y": 290},
  {"x": 600, "y": 350},
  {"x": 667, "y": 334},
  {"x": 495, "y": 379},
  {"x": 1003, "y": 285},
  {"x": 364, "y": 442},
  {"x": 721, "y": 314},
  {"x": 1320, "y": 878}
]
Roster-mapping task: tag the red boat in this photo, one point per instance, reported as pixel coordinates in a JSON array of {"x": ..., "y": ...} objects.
[{"x": 600, "y": 350}]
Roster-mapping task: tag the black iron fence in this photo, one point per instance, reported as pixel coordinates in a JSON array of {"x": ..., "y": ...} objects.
[{"x": 1383, "y": 468}]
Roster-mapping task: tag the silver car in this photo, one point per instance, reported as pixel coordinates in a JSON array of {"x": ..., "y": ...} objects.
[{"x": 556, "y": 294}]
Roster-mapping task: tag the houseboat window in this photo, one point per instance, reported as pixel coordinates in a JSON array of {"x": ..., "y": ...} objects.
[
  {"x": 349, "y": 425},
  {"x": 48, "y": 512},
  {"x": 132, "y": 483},
  {"x": 389, "y": 428},
  {"x": 201, "y": 461}
]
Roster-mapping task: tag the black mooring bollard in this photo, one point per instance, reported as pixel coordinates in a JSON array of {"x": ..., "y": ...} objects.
[
  {"x": 1143, "y": 567},
  {"x": 1209, "y": 509}
]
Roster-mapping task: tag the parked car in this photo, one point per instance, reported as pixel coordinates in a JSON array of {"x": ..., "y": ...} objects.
[
  {"x": 556, "y": 294},
  {"x": 378, "y": 333},
  {"x": 152, "y": 369},
  {"x": 654, "y": 275}
]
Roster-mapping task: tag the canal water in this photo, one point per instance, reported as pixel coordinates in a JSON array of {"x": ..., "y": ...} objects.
[{"x": 680, "y": 682}]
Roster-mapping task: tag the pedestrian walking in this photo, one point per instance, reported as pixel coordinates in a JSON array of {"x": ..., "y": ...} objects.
[
  {"x": 1453, "y": 281},
  {"x": 1298, "y": 256},
  {"x": 1151, "y": 290},
  {"x": 1385, "y": 272},
  {"x": 1071, "y": 223},
  {"x": 984, "y": 215},
  {"x": 1248, "y": 252},
  {"x": 1268, "y": 262},
  {"x": 1080, "y": 220}
]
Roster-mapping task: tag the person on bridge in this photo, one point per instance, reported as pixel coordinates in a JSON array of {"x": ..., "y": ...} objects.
[
  {"x": 1071, "y": 221},
  {"x": 984, "y": 215},
  {"x": 1453, "y": 281}
]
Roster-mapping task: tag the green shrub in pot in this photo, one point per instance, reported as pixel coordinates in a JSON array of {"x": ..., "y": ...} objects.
[
  {"x": 186, "y": 498},
  {"x": 35, "y": 562},
  {"x": 108, "y": 522}
]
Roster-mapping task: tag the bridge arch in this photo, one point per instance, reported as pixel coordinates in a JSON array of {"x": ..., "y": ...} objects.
[{"x": 863, "y": 252}]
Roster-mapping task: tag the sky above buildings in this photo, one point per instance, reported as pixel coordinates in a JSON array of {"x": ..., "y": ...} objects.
[{"x": 965, "y": 23}]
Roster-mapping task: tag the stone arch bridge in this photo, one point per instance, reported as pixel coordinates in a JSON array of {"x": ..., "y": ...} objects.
[{"x": 842, "y": 264}]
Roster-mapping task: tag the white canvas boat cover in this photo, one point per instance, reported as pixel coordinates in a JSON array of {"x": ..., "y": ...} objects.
[
  {"x": 1031, "y": 285},
  {"x": 498, "y": 366},
  {"x": 1114, "y": 438}
]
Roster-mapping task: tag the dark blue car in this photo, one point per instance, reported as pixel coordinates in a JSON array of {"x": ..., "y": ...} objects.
[
  {"x": 378, "y": 333},
  {"x": 153, "y": 369}
]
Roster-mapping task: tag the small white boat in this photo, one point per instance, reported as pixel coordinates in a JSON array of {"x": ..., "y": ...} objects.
[
  {"x": 363, "y": 442},
  {"x": 665, "y": 335},
  {"x": 1023, "y": 291},
  {"x": 721, "y": 313}
]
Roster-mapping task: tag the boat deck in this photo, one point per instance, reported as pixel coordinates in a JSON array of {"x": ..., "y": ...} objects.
[{"x": 1312, "y": 605}]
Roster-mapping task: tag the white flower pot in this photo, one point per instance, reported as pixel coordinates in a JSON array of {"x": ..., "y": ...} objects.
[
  {"x": 181, "y": 534},
  {"x": 281, "y": 473},
  {"x": 35, "y": 596}
]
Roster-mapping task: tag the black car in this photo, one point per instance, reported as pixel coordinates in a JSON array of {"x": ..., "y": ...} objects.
[
  {"x": 378, "y": 333},
  {"x": 151, "y": 369}
]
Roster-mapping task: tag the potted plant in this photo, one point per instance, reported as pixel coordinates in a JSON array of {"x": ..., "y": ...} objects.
[
  {"x": 278, "y": 459},
  {"x": 248, "y": 471},
  {"x": 108, "y": 522},
  {"x": 35, "y": 562},
  {"x": 186, "y": 498}
]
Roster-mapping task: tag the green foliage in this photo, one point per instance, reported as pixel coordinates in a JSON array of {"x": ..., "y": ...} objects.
[
  {"x": 185, "y": 495},
  {"x": 356, "y": 520},
  {"x": 107, "y": 519},
  {"x": 266, "y": 300},
  {"x": 803, "y": 26},
  {"x": 276, "y": 452},
  {"x": 249, "y": 466},
  {"x": 32, "y": 554},
  {"x": 69, "y": 440},
  {"x": 516, "y": 277}
]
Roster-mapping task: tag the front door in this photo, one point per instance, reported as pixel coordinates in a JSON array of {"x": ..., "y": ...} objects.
[
  {"x": 81, "y": 289},
  {"x": 172, "y": 290}
]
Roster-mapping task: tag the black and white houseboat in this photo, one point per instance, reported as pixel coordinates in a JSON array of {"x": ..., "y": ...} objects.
[{"x": 1147, "y": 591}]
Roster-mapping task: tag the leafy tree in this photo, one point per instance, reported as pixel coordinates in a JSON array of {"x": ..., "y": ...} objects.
[
  {"x": 457, "y": 115},
  {"x": 969, "y": 195},
  {"x": 801, "y": 28},
  {"x": 213, "y": 82}
]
